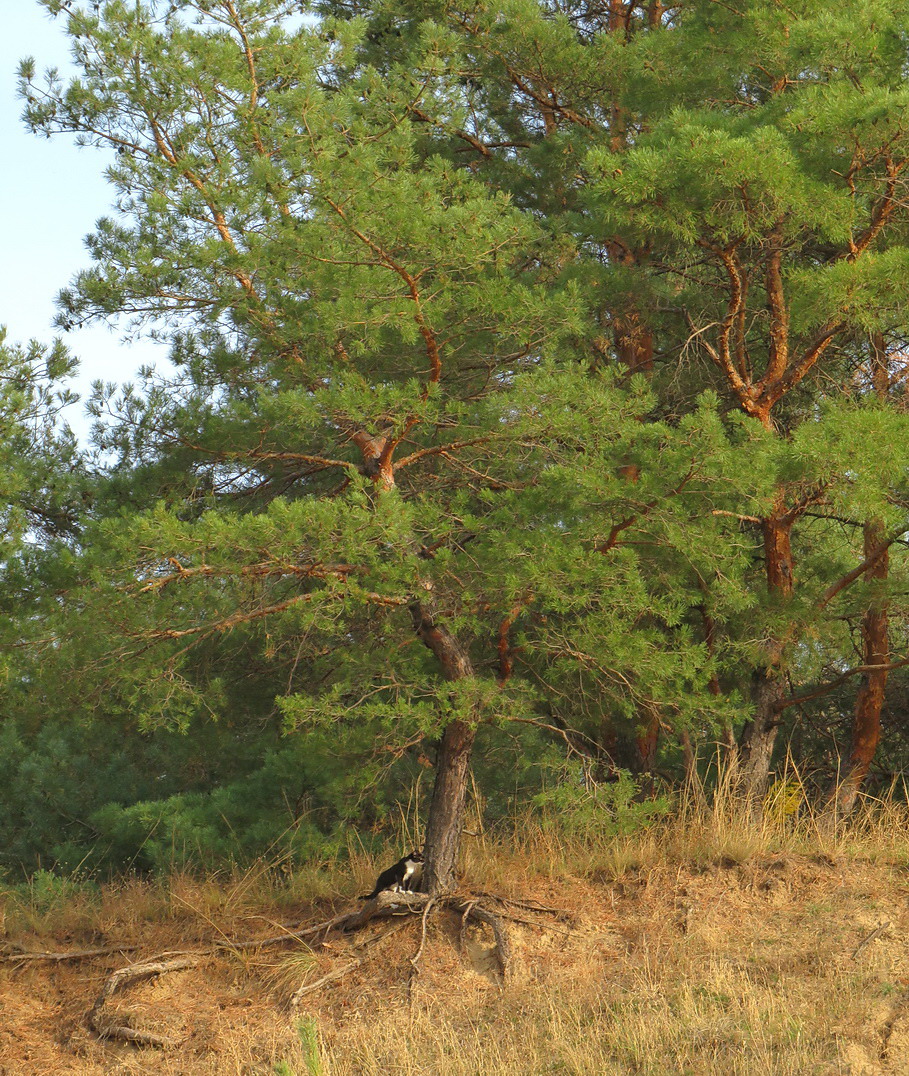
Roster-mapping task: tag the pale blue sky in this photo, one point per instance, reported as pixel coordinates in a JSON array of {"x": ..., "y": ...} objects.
[{"x": 51, "y": 193}]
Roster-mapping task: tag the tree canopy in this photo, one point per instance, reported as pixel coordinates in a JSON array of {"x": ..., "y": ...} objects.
[{"x": 537, "y": 388}]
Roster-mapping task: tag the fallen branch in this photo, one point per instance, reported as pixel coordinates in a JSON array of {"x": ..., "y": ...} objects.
[
  {"x": 24, "y": 956},
  {"x": 339, "y": 973}
]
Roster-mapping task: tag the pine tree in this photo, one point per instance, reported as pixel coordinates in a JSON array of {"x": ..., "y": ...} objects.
[{"x": 382, "y": 424}]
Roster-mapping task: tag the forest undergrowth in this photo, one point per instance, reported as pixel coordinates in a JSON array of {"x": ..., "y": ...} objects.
[{"x": 702, "y": 943}]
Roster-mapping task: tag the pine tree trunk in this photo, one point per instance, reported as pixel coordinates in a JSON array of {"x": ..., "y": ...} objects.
[
  {"x": 768, "y": 687},
  {"x": 446, "y": 811},
  {"x": 647, "y": 740},
  {"x": 869, "y": 702},
  {"x": 759, "y": 736},
  {"x": 449, "y": 794}
]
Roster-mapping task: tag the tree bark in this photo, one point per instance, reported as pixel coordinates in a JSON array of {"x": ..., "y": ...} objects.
[
  {"x": 647, "y": 739},
  {"x": 869, "y": 701},
  {"x": 449, "y": 794},
  {"x": 768, "y": 688},
  {"x": 759, "y": 735},
  {"x": 446, "y": 811}
]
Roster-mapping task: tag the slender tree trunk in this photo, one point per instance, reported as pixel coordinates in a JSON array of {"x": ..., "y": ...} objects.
[
  {"x": 647, "y": 739},
  {"x": 869, "y": 701},
  {"x": 759, "y": 735},
  {"x": 689, "y": 755},
  {"x": 768, "y": 687},
  {"x": 727, "y": 736},
  {"x": 449, "y": 794}
]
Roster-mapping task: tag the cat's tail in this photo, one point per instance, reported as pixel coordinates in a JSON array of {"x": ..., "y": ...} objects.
[{"x": 369, "y": 896}]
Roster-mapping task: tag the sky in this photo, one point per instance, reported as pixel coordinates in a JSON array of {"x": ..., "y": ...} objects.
[{"x": 51, "y": 194}]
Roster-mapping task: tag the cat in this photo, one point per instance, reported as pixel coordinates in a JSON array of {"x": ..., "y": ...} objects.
[{"x": 403, "y": 877}]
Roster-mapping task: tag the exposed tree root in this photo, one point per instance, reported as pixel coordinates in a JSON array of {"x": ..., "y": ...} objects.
[
  {"x": 339, "y": 973},
  {"x": 530, "y": 905},
  {"x": 291, "y": 934},
  {"x": 503, "y": 946},
  {"x": 392, "y": 903},
  {"x": 415, "y": 959},
  {"x": 384, "y": 906},
  {"x": 126, "y": 977},
  {"x": 462, "y": 933},
  {"x": 524, "y": 921}
]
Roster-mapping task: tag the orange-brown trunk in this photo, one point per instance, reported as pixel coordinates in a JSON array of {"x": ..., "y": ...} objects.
[{"x": 768, "y": 687}]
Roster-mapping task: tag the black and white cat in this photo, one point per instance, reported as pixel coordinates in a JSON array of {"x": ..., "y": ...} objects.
[{"x": 403, "y": 877}]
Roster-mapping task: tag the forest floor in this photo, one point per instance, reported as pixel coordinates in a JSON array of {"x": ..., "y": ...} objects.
[{"x": 645, "y": 955}]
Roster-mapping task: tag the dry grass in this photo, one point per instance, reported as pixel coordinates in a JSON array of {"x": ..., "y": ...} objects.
[{"x": 707, "y": 944}]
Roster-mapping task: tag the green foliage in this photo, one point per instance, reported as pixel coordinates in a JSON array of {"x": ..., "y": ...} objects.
[
  {"x": 308, "y": 1033},
  {"x": 515, "y": 320},
  {"x": 46, "y": 892},
  {"x": 577, "y": 807},
  {"x": 285, "y": 809},
  {"x": 41, "y": 473}
]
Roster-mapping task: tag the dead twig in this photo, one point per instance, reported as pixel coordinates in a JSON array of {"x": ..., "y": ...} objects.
[
  {"x": 331, "y": 977},
  {"x": 24, "y": 956},
  {"x": 867, "y": 941}
]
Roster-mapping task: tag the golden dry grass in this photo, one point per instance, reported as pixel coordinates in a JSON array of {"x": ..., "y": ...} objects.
[{"x": 704, "y": 945}]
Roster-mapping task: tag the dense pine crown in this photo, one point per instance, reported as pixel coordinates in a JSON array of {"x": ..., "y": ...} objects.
[{"x": 538, "y": 369}]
